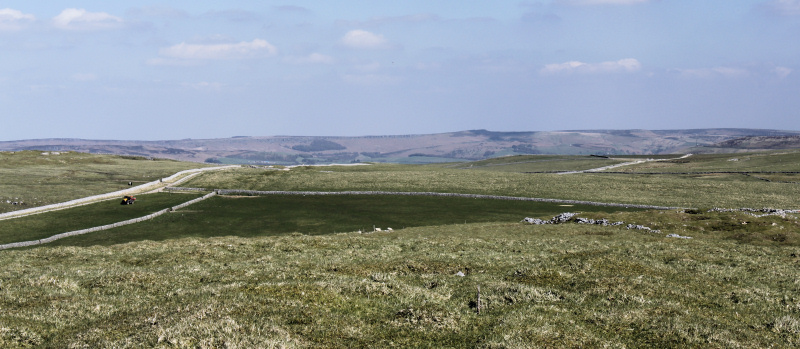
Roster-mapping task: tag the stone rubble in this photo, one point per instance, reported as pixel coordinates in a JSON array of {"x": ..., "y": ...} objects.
[
  {"x": 604, "y": 222},
  {"x": 641, "y": 227},
  {"x": 561, "y": 218},
  {"x": 567, "y": 216},
  {"x": 755, "y": 211},
  {"x": 678, "y": 236}
]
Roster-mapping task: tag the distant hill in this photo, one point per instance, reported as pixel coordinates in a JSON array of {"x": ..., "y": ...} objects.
[
  {"x": 756, "y": 143},
  {"x": 453, "y": 146}
]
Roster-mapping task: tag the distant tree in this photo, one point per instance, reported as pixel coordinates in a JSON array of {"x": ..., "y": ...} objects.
[{"x": 213, "y": 161}]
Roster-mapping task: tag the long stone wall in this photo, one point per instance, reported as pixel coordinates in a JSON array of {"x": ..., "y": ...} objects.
[
  {"x": 104, "y": 227},
  {"x": 474, "y": 196}
]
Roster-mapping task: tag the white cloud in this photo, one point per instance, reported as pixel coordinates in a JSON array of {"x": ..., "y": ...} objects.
[
  {"x": 784, "y": 7},
  {"x": 257, "y": 48},
  {"x": 627, "y": 65},
  {"x": 726, "y": 72},
  {"x": 363, "y": 39},
  {"x": 11, "y": 19},
  {"x": 314, "y": 58},
  {"x": 731, "y": 72},
  {"x": 782, "y": 72},
  {"x": 80, "y": 19}
]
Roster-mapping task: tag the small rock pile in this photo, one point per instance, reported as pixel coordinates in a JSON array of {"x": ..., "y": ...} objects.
[
  {"x": 757, "y": 212},
  {"x": 604, "y": 222},
  {"x": 567, "y": 216},
  {"x": 641, "y": 227},
  {"x": 561, "y": 218},
  {"x": 678, "y": 236}
]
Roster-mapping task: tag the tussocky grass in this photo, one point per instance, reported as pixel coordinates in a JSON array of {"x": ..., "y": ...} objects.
[{"x": 540, "y": 286}]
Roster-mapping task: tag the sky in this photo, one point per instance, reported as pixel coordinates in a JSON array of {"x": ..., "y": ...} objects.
[{"x": 143, "y": 70}]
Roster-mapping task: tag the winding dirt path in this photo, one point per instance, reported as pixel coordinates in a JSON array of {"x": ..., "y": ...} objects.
[
  {"x": 599, "y": 169},
  {"x": 154, "y": 186}
]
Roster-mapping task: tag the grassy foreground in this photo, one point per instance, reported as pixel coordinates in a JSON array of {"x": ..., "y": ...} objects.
[{"x": 540, "y": 286}]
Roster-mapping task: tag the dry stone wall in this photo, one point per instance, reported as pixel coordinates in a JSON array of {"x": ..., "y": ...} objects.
[
  {"x": 475, "y": 196},
  {"x": 104, "y": 227}
]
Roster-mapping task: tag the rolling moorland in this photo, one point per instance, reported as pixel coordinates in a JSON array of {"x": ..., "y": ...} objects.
[
  {"x": 297, "y": 269},
  {"x": 427, "y": 148}
]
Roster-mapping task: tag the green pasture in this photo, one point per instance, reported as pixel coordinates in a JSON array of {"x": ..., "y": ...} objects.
[
  {"x": 36, "y": 180},
  {"x": 540, "y": 163},
  {"x": 44, "y": 225},
  {"x": 540, "y": 286},
  {"x": 251, "y": 216},
  {"x": 701, "y": 190}
]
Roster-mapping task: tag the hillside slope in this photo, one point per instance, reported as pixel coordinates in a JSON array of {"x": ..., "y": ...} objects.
[{"x": 454, "y": 146}]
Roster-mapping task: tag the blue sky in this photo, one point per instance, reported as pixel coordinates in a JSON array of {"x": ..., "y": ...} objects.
[{"x": 209, "y": 69}]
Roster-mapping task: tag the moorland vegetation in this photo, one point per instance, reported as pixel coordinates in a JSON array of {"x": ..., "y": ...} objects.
[{"x": 300, "y": 271}]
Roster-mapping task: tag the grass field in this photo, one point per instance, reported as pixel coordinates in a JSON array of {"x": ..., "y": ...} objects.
[
  {"x": 722, "y": 190},
  {"x": 540, "y": 163},
  {"x": 44, "y": 225},
  {"x": 315, "y": 215},
  {"x": 285, "y": 271},
  {"x": 34, "y": 179}
]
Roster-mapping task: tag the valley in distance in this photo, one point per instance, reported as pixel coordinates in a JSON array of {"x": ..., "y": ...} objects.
[{"x": 427, "y": 148}]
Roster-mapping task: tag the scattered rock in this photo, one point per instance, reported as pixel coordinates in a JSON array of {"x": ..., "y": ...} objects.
[
  {"x": 757, "y": 212},
  {"x": 461, "y": 274},
  {"x": 603, "y": 222},
  {"x": 641, "y": 227},
  {"x": 678, "y": 236},
  {"x": 561, "y": 218},
  {"x": 535, "y": 221},
  {"x": 564, "y": 217}
]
